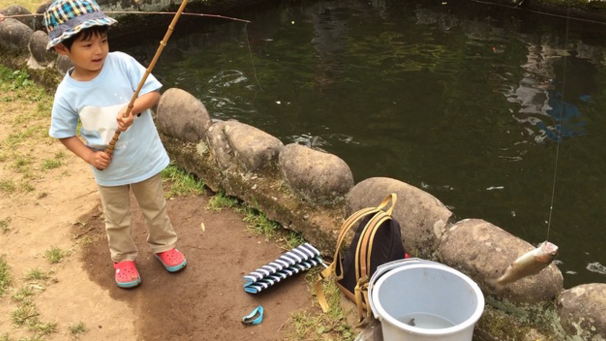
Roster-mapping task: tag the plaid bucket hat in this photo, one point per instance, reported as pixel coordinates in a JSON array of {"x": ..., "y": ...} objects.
[{"x": 66, "y": 18}]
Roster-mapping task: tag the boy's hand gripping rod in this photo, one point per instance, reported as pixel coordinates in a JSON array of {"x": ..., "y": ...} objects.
[{"x": 112, "y": 143}]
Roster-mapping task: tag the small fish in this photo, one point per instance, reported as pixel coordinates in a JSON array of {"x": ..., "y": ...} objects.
[{"x": 528, "y": 264}]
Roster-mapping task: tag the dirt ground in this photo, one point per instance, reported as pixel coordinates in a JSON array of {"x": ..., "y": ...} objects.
[
  {"x": 60, "y": 207},
  {"x": 207, "y": 300}
]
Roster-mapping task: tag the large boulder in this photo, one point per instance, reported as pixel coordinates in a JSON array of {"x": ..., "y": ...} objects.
[
  {"x": 183, "y": 116},
  {"x": 20, "y": 10},
  {"x": 37, "y": 46},
  {"x": 422, "y": 218},
  {"x": 582, "y": 311},
  {"x": 319, "y": 177},
  {"x": 239, "y": 147},
  {"x": 14, "y": 36},
  {"x": 484, "y": 251}
]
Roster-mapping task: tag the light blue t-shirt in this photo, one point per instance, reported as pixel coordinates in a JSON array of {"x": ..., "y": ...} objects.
[{"x": 139, "y": 153}]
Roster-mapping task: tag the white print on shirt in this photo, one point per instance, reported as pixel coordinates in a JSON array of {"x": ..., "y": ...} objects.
[{"x": 102, "y": 120}]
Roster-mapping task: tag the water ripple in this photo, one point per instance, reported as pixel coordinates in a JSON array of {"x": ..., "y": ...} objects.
[
  {"x": 597, "y": 268},
  {"x": 227, "y": 78}
]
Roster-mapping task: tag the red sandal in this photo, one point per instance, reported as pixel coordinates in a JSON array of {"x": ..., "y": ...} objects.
[
  {"x": 172, "y": 260},
  {"x": 127, "y": 275}
]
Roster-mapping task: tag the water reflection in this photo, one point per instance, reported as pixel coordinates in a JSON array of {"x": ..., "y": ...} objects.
[{"x": 542, "y": 111}]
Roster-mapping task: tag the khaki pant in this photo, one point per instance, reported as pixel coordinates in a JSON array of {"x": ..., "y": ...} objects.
[{"x": 116, "y": 209}]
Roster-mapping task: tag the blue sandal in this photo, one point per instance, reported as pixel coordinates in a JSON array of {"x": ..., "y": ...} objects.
[{"x": 255, "y": 317}]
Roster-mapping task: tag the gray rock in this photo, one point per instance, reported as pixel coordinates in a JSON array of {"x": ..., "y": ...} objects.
[
  {"x": 20, "y": 10},
  {"x": 582, "y": 311},
  {"x": 182, "y": 116},
  {"x": 37, "y": 46},
  {"x": 422, "y": 218},
  {"x": 40, "y": 19},
  {"x": 14, "y": 36},
  {"x": 237, "y": 146},
  {"x": 484, "y": 251},
  {"x": 63, "y": 64},
  {"x": 319, "y": 177},
  {"x": 254, "y": 149},
  {"x": 221, "y": 150}
]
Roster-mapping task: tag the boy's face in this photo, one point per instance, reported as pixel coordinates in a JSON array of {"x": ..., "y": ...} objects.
[{"x": 87, "y": 55}]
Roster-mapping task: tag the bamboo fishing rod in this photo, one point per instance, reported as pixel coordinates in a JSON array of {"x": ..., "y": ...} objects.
[
  {"x": 112, "y": 143},
  {"x": 142, "y": 13}
]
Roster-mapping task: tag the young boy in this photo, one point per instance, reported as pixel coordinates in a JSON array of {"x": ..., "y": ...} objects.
[{"x": 97, "y": 91}]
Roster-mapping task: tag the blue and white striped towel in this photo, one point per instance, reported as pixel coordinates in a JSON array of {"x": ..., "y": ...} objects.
[
  {"x": 301, "y": 258},
  {"x": 266, "y": 282}
]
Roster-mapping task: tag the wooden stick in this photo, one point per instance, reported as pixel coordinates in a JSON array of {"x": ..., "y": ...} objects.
[{"x": 112, "y": 143}]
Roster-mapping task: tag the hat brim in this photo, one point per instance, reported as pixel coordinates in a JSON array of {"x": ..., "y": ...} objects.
[{"x": 106, "y": 21}]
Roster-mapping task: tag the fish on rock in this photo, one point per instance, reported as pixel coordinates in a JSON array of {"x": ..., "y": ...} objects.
[{"x": 528, "y": 264}]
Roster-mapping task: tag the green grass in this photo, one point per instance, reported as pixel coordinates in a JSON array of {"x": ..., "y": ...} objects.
[
  {"x": 21, "y": 164},
  {"x": 54, "y": 163},
  {"x": 17, "y": 79},
  {"x": 6, "y": 278},
  {"x": 19, "y": 137},
  {"x": 87, "y": 240},
  {"x": 23, "y": 295},
  {"x": 25, "y": 313},
  {"x": 220, "y": 201},
  {"x": 182, "y": 182},
  {"x": 36, "y": 275},
  {"x": 7, "y": 186},
  {"x": 313, "y": 325},
  {"x": 46, "y": 328},
  {"x": 259, "y": 224},
  {"x": 5, "y": 337},
  {"x": 4, "y": 225},
  {"x": 55, "y": 255},
  {"x": 293, "y": 239},
  {"x": 51, "y": 164},
  {"x": 26, "y": 186},
  {"x": 78, "y": 328}
]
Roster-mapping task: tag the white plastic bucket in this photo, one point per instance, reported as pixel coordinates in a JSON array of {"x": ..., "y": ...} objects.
[{"x": 418, "y": 300}]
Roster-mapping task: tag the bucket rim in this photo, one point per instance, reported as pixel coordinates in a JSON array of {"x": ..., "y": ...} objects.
[{"x": 469, "y": 322}]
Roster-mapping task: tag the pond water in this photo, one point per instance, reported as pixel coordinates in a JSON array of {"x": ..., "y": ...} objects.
[{"x": 472, "y": 103}]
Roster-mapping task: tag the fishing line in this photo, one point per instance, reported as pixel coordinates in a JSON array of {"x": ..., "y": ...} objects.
[
  {"x": 142, "y": 13},
  {"x": 559, "y": 126},
  {"x": 288, "y": 10},
  {"x": 252, "y": 61}
]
